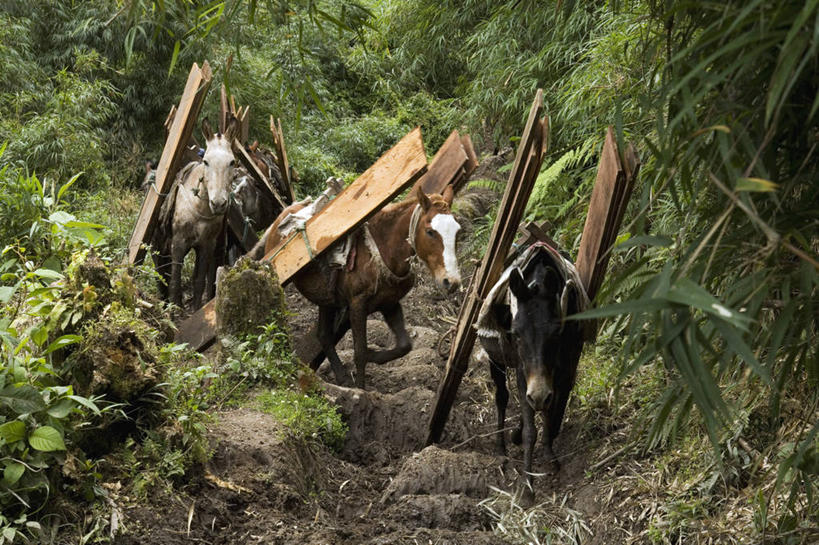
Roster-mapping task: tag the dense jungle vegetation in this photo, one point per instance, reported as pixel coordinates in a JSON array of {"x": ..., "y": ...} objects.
[{"x": 713, "y": 285}]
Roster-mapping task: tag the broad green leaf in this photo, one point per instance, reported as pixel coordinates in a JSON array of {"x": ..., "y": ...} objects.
[
  {"x": 46, "y": 439},
  {"x": 6, "y": 293},
  {"x": 48, "y": 274},
  {"x": 61, "y": 342},
  {"x": 689, "y": 293},
  {"x": 61, "y": 409},
  {"x": 61, "y": 217},
  {"x": 22, "y": 400},
  {"x": 755, "y": 184},
  {"x": 13, "y": 472},
  {"x": 627, "y": 307},
  {"x": 13, "y": 431}
]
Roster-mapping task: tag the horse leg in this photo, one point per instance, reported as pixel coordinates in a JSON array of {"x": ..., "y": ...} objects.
[
  {"x": 178, "y": 252},
  {"x": 529, "y": 435},
  {"x": 498, "y": 373},
  {"x": 358, "y": 323},
  {"x": 328, "y": 340},
  {"x": 563, "y": 384},
  {"x": 200, "y": 273},
  {"x": 394, "y": 317},
  {"x": 340, "y": 326},
  {"x": 162, "y": 264}
]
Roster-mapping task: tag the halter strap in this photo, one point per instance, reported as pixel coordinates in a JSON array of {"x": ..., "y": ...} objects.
[{"x": 416, "y": 217}]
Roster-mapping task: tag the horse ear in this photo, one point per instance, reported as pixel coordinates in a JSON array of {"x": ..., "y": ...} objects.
[
  {"x": 423, "y": 200},
  {"x": 518, "y": 285},
  {"x": 449, "y": 194},
  {"x": 232, "y": 129},
  {"x": 207, "y": 132}
]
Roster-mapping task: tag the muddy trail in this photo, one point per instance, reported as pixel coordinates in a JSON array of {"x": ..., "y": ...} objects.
[{"x": 383, "y": 486}]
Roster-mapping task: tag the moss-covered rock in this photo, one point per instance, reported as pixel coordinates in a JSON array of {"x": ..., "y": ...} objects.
[
  {"x": 248, "y": 297},
  {"x": 116, "y": 358}
]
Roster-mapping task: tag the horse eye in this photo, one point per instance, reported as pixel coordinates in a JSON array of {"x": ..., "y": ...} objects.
[
  {"x": 430, "y": 233},
  {"x": 233, "y": 162},
  {"x": 206, "y": 163}
]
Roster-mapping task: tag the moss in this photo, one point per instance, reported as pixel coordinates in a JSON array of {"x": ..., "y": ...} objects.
[
  {"x": 117, "y": 357},
  {"x": 249, "y": 297}
]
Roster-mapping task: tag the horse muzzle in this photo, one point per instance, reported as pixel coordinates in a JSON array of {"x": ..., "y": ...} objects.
[
  {"x": 538, "y": 393},
  {"x": 450, "y": 283},
  {"x": 218, "y": 208}
]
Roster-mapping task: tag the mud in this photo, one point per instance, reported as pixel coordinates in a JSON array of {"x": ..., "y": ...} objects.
[{"x": 384, "y": 486}]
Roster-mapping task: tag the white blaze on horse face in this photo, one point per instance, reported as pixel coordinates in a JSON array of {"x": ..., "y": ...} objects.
[
  {"x": 219, "y": 162},
  {"x": 448, "y": 228}
]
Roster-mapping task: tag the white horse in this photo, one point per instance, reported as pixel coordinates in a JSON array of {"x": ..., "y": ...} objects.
[{"x": 200, "y": 200}]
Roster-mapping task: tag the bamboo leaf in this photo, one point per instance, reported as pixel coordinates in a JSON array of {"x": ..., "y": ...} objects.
[{"x": 755, "y": 184}]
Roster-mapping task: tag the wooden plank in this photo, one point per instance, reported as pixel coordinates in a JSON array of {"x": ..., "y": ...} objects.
[
  {"x": 181, "y": 130},
  {"x": 251, "y": 166},
  {"x": 599, "y": 225},
  {"x": 169, "y": 120},
  {"x": 244, "y": 121},
  {"x": 281, "y": 156},
  {"x": 521, "y": 180},
  {"x": 394, "y": 171},
  {"x": 223, "y": 109},
  {"x": 446, "y": 164},
  {"x": 470, "y": 167}
]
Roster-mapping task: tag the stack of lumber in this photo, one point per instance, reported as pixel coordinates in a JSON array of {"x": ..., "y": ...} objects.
[
  {"x": 396, "y": 170},
  {"x": 521, "y": 181},
  {"x": 610, "y": 196},
  {"x": 182, "y": 123}
]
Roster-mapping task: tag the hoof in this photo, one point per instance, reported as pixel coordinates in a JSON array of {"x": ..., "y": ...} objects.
[
  {"x": 525, "y": 496},
  {"x": 344, "y": 379}
]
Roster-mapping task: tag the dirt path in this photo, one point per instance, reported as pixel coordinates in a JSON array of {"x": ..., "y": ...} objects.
[{"x": 383, "y": 487}]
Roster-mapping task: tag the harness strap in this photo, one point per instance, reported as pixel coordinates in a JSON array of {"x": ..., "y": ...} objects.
[{"x": 416, "y": 217}]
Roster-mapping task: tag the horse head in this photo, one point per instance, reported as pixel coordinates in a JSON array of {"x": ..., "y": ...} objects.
[
  {"x": 535, "y": 328},
  {"x": 434, "y": 237},
  {"x": 219, "y": 164}
]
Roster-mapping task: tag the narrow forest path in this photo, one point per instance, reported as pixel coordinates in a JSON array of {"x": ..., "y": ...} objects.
[{"x": 383, "y": 487}]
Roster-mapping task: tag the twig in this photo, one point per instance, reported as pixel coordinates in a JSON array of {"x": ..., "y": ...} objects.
[
  {"x": 479, "y": 436},
  {"x": 612, "y": 456}
]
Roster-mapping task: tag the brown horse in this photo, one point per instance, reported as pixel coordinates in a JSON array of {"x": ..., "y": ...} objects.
[{"x": 378, "y": 275}]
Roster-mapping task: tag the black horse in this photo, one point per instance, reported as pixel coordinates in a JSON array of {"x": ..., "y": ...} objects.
[{"x": 523, "y": 326}]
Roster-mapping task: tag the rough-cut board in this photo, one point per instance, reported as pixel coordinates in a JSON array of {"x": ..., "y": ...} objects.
[
  {"x": 471, "y": 164},
  {"x": 521, "y": 180},
  {"x": 448, "y": 163},
  {"x": 396, "y": 170},
  {"x": 281, "y": 156},
  {"x": 181, "y": 130},
  {"x": 224, "y": 109},
  {"x": 244, "y": 120},
  {"x": 612, "y": 190},
  {"x": 251, "y": 166}
]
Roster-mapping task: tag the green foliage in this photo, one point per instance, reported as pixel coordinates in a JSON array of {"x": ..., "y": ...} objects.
[{"x": 308, "y": 417}]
